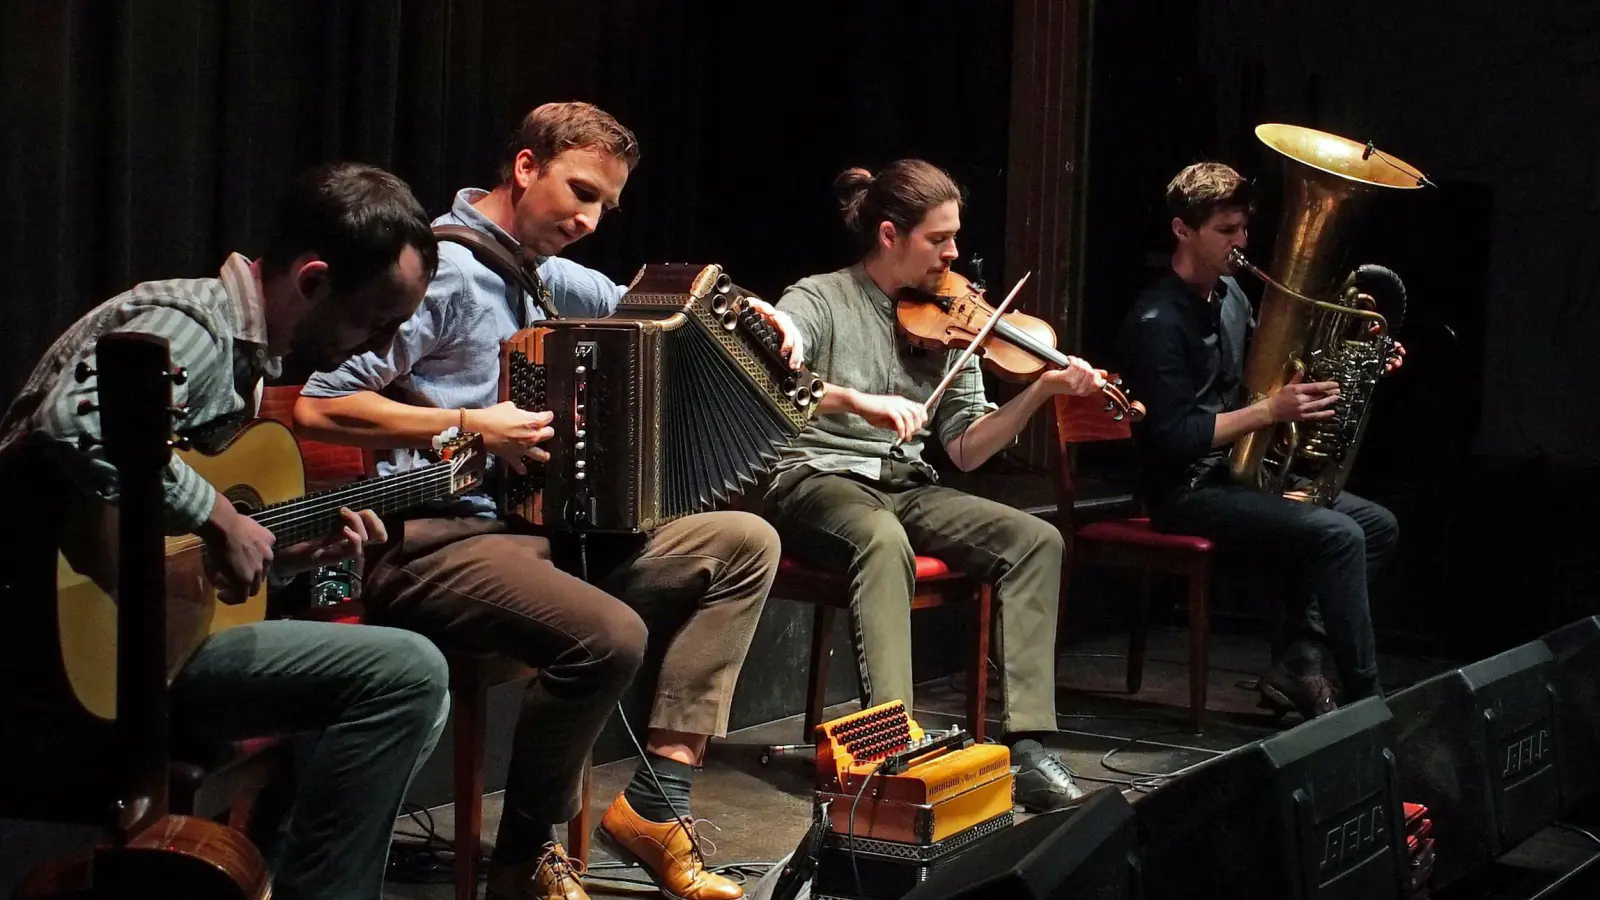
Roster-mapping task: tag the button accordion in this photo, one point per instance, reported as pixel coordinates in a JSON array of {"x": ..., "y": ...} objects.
[{"x": 672, "y": 405}]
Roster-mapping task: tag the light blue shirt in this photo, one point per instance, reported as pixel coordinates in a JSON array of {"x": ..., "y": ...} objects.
[{"x": 448, "y": 354}]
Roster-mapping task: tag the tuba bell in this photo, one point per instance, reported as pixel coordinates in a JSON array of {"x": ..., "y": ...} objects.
[{"x": 1310, "y": 324}]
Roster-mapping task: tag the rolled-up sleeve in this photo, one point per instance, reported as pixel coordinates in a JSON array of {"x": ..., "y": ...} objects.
[
  {"x": 1157, "y": 374},
  {"x": 426, "y": 332},
  {"x": 812, "y": 316},
  {"x": 963, "y": 402}
]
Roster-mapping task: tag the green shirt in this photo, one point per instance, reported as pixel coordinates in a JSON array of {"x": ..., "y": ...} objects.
[{"x": 848, "y": 326}]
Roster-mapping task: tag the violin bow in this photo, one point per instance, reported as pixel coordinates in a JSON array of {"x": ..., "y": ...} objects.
[{"x": 971, "y": 349}]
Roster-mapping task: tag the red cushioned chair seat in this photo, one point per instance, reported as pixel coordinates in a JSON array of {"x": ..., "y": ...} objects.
[
  {"x": 928, "y": 568},
  {"x": 1138, "y": 531}
]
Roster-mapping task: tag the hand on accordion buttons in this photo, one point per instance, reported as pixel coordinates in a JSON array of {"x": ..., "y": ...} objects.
[
  {"x": 511, "y": 432},
  {"x": 793, "y": 347}
]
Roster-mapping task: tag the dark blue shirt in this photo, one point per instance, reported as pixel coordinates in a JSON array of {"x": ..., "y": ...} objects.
[{"x": 1183, "y": 356}]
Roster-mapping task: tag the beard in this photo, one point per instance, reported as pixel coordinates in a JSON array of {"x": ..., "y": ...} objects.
[{"x": 312, "y": 348}]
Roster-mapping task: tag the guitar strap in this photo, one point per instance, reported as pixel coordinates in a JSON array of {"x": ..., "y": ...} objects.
[{"x": 494, "y": 254}]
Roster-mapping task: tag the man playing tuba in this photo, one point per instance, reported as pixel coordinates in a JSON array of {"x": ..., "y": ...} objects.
[{"x": 1183, "y": 347}]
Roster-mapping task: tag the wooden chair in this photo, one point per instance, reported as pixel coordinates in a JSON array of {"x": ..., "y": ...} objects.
[
  {"x": 1130, "y": 544},
  {"x": 936, "y": 585},
  {"x": 471, "y": 676}
]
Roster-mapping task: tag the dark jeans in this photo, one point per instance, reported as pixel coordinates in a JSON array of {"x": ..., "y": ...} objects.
[
  {"x": 473, "y": 584},
  {"x": 874, "y": 531},
  {"x": 1331, "y": 552},
  {"x": 379, "y": 697}
]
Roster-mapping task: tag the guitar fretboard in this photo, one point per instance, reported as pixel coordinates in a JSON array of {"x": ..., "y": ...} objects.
[{"x": 316, "y": 514}]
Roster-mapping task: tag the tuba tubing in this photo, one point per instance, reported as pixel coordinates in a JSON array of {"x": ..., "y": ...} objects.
[{"x": 1328, "y": 180}]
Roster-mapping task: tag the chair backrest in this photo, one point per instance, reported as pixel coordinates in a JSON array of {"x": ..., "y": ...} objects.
[
  {"x": 326, "y": 464},
  {"x": 1081, "y": 420}
]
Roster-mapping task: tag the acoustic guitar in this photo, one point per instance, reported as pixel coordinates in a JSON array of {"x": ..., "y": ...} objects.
[
  {"x": 260, "y": 469},
  {"x": 148, "y": 850}
]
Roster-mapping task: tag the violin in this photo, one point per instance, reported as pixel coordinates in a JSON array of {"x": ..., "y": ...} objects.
[{"x": 1019, "y": 347}]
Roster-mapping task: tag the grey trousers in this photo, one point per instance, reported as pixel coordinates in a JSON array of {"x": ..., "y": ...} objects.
[
  {"x": 873, "y": 531},
  {"x": 379, "y": 696}
]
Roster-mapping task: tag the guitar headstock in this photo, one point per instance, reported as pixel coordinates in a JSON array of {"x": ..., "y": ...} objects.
[
  {"x": 465, "y": 455},
  {"x": 135, "y": 378}
]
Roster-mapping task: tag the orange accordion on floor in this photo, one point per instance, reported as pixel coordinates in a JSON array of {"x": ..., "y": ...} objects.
[{"x": 900, "y": 802}]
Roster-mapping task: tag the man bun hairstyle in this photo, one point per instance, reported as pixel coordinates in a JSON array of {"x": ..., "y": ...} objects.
[{"x": 901, "y": 194}]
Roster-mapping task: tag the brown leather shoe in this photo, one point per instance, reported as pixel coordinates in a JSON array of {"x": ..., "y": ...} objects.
[
  {"x": 668, "y": 851},
  {"x": 549, "y": 876}
]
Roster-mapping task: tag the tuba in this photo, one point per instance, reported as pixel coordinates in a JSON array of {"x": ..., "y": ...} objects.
[{"x": 1310, "y": 324}]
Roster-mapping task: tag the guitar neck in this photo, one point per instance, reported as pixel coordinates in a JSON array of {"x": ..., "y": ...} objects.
[{"x": 314, "y": 515}]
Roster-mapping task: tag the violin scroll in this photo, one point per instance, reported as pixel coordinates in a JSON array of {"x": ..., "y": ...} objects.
[{"x": 1118, "y": 404}]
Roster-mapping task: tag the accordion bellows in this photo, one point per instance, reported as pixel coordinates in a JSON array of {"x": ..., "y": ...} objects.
[{"x": 669, "y": 407}]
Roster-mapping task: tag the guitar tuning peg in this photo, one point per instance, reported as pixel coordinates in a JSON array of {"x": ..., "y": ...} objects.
[
  {"x": 83, "y": 371},
  {"x": 180, "y": 443},
  {"x": 179, "y": 374},
  {"x": 85, "y": 407},
  {"x": 180, "y": 411}
]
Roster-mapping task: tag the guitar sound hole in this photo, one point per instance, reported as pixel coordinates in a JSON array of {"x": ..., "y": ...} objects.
[{"x": 244, "y": 498}]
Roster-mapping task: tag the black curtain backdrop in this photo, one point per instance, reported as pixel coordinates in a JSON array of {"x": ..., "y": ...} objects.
[
  {"x": 1487, "y": 443},
  {"x": 148, "y": 138}
]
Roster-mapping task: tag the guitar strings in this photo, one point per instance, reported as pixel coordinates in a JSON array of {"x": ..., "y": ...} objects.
[
  {"x": 303, "y": 510},
  {"x": 368, "y": 489}
]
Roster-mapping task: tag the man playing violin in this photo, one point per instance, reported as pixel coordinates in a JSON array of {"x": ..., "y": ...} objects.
[
  {"x": 1183, "y": 345},
  {"x": 853, "y": 491}
]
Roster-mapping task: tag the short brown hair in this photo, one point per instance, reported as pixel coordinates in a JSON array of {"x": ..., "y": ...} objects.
[
  {"x": 900, "y": 194},
  {"x": 1205, "y": 187},
  {"x": 554, "y": 127}
]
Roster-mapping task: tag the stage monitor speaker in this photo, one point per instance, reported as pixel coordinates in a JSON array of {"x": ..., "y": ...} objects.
[
  {"x": 1478, "y": 746},
  {"x": 1313, "y": 812},
  {"x": 1083, "y": 853},
  {"x": 1575, "y": 672}
]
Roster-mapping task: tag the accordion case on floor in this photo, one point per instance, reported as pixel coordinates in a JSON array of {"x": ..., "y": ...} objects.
[{"x": 669, "y": 407}]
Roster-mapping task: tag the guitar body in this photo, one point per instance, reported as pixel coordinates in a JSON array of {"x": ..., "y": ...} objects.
[
  {"x": 177, "y": 856},
  {"x": 260, "y": 465}
]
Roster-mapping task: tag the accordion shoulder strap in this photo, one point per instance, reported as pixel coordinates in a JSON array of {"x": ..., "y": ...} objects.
[{"x": 493, "y": 254}]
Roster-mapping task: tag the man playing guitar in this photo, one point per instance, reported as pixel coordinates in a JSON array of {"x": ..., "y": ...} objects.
[{"x": 348, "y": 260}]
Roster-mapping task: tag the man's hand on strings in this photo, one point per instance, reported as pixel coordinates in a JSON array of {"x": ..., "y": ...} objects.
[
  {"x": 347, "y": 541},
  {"x": 1078, "y": 379}
]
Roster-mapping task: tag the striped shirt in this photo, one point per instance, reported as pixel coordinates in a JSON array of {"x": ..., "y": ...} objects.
[
  {"x": 448, "y": 354},
  {"x": 216, "y": 329}
]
